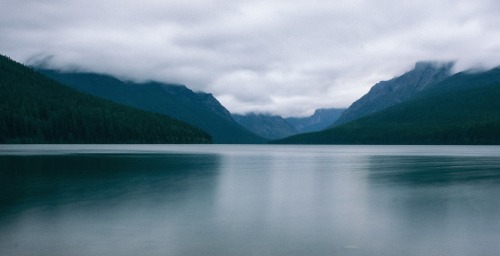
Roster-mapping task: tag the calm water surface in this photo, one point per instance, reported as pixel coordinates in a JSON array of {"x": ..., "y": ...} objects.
[{"x": 249, "y": 200}]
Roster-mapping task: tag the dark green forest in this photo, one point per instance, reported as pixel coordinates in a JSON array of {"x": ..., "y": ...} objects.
[
  {"x": 35, "y": 109},
  {"x": 463, "y": 109}
]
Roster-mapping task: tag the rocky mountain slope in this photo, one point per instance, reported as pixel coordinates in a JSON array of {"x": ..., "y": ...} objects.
[{"x": 397, "y": 90}]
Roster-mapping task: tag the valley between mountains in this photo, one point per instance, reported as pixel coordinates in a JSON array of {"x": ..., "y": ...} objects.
[{"x": 426, "y": 105}]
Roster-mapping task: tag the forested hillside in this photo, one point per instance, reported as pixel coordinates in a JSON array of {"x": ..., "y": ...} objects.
[
  {"x": 196, "y": 108},
  {"x": 35, "y": 109}
]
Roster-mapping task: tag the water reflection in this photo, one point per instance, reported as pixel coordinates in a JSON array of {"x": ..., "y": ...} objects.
[
  {"x": 437, "y": 205},
  {"x": 433, "y": 170},
  {"x": 251, "y": 200},
  {"x": 101, "y": 204},
  {"x": 60, "y": 179}
]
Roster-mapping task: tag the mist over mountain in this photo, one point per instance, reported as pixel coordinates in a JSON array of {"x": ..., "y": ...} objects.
[
  {"x": 199, "y": 109},
  {"x": 397, "y": 90},
  {"x": 461, "y": 109},
  {"x": 36, "y": 109}
]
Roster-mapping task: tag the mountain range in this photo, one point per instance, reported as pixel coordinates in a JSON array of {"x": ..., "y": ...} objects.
[
  {"x": 196, "y": 108},
  {"x": 427, "y": 105},
  {"x": 381, "y": 96},
  {"x": 276, "y": 127},
  {"x": 177, "y": 101},
  {"x": 461, "y": 109}
]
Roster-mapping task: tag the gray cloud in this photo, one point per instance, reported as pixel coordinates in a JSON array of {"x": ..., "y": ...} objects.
[{"x": 280, "y": 57}]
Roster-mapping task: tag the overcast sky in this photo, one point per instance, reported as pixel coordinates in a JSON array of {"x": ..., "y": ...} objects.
[{"x": 281, "y": 57}]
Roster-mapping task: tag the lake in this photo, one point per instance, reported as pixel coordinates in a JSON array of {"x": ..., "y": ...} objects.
[{"x": 249, "y": 200}]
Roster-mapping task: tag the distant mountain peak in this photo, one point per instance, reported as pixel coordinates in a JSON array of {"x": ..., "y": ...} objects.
[
  {"x": 385, "y": 94},
  {"x": 275, "y": 127},
  {"x": 321, "y": 119},
  {"x": 266, "y": 125}
]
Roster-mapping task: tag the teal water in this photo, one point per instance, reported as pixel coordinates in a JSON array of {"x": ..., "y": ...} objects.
[{"x": 249, "y": 200}]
